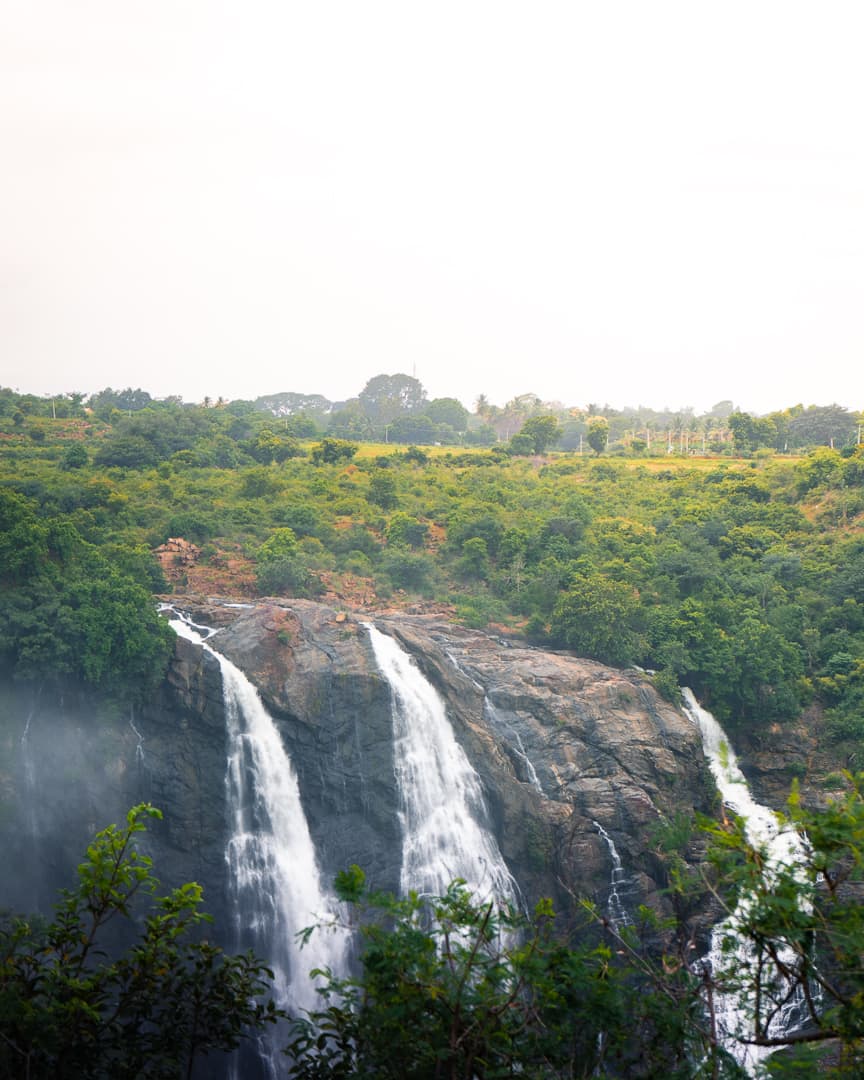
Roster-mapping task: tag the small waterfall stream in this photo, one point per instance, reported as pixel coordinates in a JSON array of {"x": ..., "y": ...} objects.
[
  {"x": 618, "y": 914},
  {"x": 442, "y": 810},
  {"x": 514, "y": 741},
  {"x": 783, "y": 847},
  {"x": 139, "y": 745},
  {"x": 272, "y": 865}
]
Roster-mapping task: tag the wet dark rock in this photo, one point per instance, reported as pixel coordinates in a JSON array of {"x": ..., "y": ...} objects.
[{"x": 559, "y": 743}]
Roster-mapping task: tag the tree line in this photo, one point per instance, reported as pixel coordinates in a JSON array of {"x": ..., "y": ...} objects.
[{"x": 396, "y": 409}]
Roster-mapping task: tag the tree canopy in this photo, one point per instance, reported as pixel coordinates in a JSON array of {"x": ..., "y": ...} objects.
[{"x": 74, "y": 1007}]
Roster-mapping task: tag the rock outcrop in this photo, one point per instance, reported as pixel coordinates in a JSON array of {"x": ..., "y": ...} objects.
[{"x": 562, "y": 746}]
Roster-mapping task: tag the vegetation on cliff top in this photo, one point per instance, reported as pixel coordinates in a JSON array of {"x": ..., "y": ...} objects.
[{"x": 740, "y": 576}]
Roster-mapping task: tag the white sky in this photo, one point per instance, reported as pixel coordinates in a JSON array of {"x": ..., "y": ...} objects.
[{"x": 627, "y": 202}]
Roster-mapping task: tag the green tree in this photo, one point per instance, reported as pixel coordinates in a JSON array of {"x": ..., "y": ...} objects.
[
  {"x": 598, "y": 434},
  {"x": 127, "y": 452},
  {"x": 384, "y": 397},
  {"x": 332, "y": 451},
  {"x": 453, "y": 987},
  {"x": 404, "y": 529},
  {"x": 68, "y": 612},
  {"x": 544, "y": 430},
  {"x": 127, "y": 400},
  {"x": 598, "y": 617},
  {"x": 76, "y": 457},
  {"x": 69, "y": 1010},
  {"x": 522, "y": 445},
  {"x": 303, "y": 426},
  {"x": 751, "y": 432},
  {"x": 448, "y": 411},
  {"x": 283, "y": 569},
  {"x": 483, "y": 435},
  {"x": 474, "y": 561},
  {"x": 262, "y": 447},
  {"x": 351, "y": 422},
  {"x": 407, "y": 569},
  {"x": 287, "y": 575},
  {"x": 828, "y": 425},
  {"x": 414, "y": 428},
  {"x": 279, "y": 545},
  {"x": 107, "y": 628},
  {"x": 23, "y": 538},
  {"x": 382, "y": 490},
  {"x": 822, "y": 467}
]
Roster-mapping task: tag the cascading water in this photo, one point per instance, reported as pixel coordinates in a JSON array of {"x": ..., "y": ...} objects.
[
  {"x": 441, "y": 801},
  {"x": 783, "y": 847},
  {"x": 139, "y": 745},
  {"x": 273, "y": 870},
  {"x": 514, "y": 740},
  {"x": 618, "y": 916}
]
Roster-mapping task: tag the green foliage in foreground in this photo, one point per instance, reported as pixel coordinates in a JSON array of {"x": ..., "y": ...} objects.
[
  {"x": 455, "y": 987},
  {"x": 805, "y": 927},
  {"x": 69, "y": 1012}
]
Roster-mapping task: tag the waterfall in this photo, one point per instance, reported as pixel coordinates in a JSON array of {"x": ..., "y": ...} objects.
[
  {"x": 514, "y": 741},
  {"x": 784, "y": 848},
  {"x": 273, "y": 871},
  {"x": 139, "y": 746},
  {"x": 618, "y": 916},
  {"x": 442, "y": 810}
]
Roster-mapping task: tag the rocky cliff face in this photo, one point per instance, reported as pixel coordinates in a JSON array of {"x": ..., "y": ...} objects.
[
  {"x": 74, "y": 763},
  {"x": 562, "y": 746}
]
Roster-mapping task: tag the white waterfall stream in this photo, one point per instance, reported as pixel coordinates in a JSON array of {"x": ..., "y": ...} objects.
[
  {"x": 783, "y": 847},
  {"x": 139, "y": 745},
  {"x": 618, "y": 916},
  {"x": 514, "y": 740},
  {"x": 273, "y": 870},
  {"x": 442, "y": 810}
]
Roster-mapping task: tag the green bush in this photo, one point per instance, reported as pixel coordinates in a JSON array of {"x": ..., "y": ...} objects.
[
  {"x": 287, "y": 576},
  {"x": 70, "y": 1009},
  {"x": 408, "y": 570}
]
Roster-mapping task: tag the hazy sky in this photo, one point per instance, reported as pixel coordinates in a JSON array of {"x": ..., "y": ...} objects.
[{"x": 636, "y": 203}]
